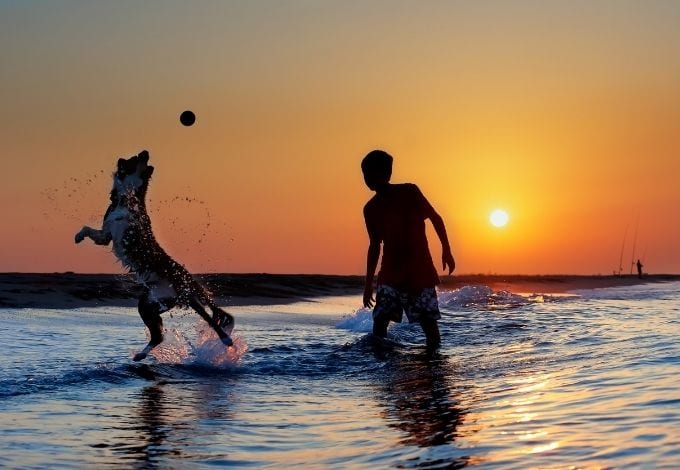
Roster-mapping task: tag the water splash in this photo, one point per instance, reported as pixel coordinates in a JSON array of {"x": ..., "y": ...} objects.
[
  {"x": 209, "y": 349},
  {"x": 463, "y": 298},
  {"x": 187, "y": 217},
  {"x": 72, "y": 199},
  {"x": 175, "y": 211},
  {"x": 205, "y": 349},
  {"x": 361, "y": 321},
  {"x": 480, "y": 297},
  {"x": 82, "y": 199}
]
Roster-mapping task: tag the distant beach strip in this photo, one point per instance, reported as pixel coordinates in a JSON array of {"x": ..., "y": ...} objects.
[{"x": 72, "y": 290}]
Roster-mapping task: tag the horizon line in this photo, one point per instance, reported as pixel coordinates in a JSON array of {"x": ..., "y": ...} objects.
[{"x": 253, "y": 273}]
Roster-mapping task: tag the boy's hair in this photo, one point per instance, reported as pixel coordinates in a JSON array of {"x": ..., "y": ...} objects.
[{"x": 377, "y": 163}]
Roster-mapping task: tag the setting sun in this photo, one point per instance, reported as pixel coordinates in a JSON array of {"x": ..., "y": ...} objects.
[{"x": 499, "y": 218}]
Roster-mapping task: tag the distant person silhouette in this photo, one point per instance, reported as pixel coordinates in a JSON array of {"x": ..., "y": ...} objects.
[
  {"x": 639, "y": 268},
  {"x": 395, "y": 217}
]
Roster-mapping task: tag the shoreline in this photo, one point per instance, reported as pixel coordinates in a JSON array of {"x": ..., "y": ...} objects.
[
  {"x": 71, "y": 290},
  {"x": 553, "y": 284}
]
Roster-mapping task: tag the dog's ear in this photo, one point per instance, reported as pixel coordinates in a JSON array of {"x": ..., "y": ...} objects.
[
  {"x": 121, "y": 164},
  {"x": 147, "y": 172},
  {"x": 143, "y": 156}
]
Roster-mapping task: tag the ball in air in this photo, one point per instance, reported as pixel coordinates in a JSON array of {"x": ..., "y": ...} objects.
[{"x": 187, "y": 118}]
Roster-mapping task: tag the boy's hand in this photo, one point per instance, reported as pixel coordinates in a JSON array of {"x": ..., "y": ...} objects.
[
  {"x": 447, "y": 260},
  {"x": 369, "y": 301}
]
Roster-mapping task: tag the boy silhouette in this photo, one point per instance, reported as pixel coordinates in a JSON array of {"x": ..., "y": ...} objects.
[{"x": 395, "y": 217}]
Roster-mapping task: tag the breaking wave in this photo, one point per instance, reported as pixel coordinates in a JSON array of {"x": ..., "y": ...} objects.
[{"x": 463, "y": 298}]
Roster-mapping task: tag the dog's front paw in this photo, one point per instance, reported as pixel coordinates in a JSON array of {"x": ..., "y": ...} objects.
[{"x": 80, "y": 236}]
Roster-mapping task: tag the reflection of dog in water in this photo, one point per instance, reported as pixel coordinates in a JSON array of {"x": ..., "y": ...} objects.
[{"x": 168, "y": 283}]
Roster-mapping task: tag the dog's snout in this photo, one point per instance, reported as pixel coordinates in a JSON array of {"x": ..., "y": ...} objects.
[
  {"x": 143, "y": 156},
  {"x": 133, "y": 165}
]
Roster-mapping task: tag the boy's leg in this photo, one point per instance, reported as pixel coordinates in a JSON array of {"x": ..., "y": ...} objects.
[
  {"x": 380, "y": 324},
  {"x": 387, "y": 307},
  {"x": 423, "y": 308},
  {"x": 431, "y": 330}
]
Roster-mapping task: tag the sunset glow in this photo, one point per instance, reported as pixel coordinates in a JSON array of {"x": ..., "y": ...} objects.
[{"x": 577, "y": 131}]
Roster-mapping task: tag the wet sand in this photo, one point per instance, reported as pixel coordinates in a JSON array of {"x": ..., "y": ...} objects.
[{"x": 71, "y": 290}]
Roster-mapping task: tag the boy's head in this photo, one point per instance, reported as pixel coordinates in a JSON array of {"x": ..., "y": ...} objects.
[{"x": 377, "y": 168}]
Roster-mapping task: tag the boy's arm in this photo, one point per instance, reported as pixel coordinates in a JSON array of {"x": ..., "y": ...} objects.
[
  {"x": 372, "y": 257},
  {"x": 440, "y": 228},
  {"x": 371, "y": 265},
  {"x": 447, "y": 256}
]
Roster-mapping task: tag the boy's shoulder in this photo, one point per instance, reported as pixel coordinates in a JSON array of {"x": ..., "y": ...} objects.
[
  {"x": 405, "y": 191},
  {"x": 406, "y": 188},
  {"x": 396, "y": 193}
]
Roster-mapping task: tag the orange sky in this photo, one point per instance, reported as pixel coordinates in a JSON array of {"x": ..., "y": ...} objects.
[{"x": 566, "y": 114}]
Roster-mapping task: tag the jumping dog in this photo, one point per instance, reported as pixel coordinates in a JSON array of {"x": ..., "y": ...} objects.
[{"x": 167, "y": 283}]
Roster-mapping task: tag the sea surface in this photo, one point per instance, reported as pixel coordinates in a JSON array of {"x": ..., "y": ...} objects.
[{"x": 585, "y": 380}]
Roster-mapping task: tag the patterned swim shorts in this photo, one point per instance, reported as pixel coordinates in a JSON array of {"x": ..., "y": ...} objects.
[{"x": 417, "y": 305}]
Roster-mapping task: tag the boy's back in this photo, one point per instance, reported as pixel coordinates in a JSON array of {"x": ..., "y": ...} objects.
[{"x": 396, "y": 216}]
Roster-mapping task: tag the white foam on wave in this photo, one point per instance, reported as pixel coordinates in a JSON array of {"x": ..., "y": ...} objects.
[
  {"x": 205, "y": 349},
  {"x": 466, "y": 297},
  {"x": 480, "y": 296},
  {"x": 361, "y": 321}
]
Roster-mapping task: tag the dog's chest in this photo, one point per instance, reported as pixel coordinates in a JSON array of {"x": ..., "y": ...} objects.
[{"x": 118, "y": 222}]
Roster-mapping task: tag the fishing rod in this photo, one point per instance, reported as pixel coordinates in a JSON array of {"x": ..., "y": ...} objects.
[
  {"x": 632, "y": 254},
  {"x": 623, "y": 245}
]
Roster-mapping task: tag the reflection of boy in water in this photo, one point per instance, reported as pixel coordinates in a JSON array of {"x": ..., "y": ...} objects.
[
  {"x": 395, "y": 217},
  {"x": 418, "y": 399}
]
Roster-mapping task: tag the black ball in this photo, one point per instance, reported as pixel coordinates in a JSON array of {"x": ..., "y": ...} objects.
[{"x": 187, "y": 118}]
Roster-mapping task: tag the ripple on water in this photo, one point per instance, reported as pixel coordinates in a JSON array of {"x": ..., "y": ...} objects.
[{"x": 585, "y": 381}]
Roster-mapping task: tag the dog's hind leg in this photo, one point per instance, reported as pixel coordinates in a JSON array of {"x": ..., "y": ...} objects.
[
  {"x": 224, "y": 336},
  {"x": 224, "y": 319},
  {"x": 150, "y": 311}
]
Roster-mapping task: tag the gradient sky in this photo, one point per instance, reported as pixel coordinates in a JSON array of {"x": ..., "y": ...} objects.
[{"x": 566, "y": 114}]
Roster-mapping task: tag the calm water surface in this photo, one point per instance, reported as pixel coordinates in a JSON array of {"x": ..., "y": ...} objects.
[{"x": 585, "y": 380}]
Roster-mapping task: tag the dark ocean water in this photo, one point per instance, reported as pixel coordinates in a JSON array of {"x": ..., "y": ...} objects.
[{"x": 585, "y": 380}]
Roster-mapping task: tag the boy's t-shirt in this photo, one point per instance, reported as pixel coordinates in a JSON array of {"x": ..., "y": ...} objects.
[{"x": 396, "y": 216}]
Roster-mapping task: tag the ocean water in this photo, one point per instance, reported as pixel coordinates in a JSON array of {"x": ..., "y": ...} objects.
[{"x": 585, "y": 380}]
